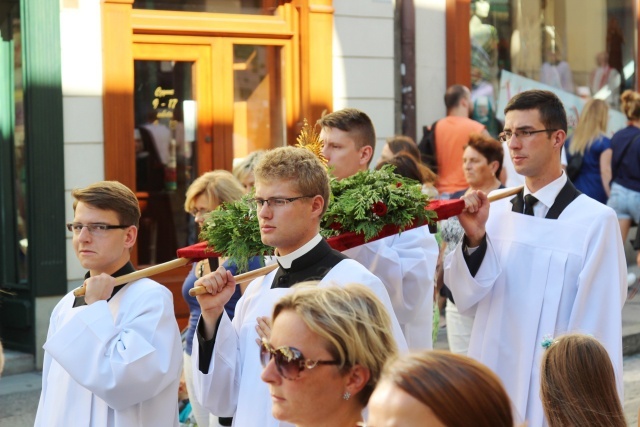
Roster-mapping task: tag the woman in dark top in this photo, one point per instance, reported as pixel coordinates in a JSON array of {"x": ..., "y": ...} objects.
[
  {"x": 205, "y": 194},
  {"x": 589, "y": 140},
  {"x": 625, "y": 167}
]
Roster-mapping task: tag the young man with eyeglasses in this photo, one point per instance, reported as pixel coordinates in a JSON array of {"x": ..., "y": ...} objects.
[
  {"x": 405, "y": 263},
  {"x": 113, "y": 356},
  {"x": 292, "y": 191},
  {"x": 547, "y": 262}
]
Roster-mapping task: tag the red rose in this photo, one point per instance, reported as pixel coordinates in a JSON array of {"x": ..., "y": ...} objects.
[
  {"x": 379, "y": 208},
  {"x": 335, "y": 226},
  {"x": 398, "y": 184}
]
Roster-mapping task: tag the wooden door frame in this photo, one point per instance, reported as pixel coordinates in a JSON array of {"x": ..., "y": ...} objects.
[{"x": 307, "y": 23}]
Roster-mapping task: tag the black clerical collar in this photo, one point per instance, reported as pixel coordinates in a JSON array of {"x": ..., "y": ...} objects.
[
  {"x": 126, "y": 269},
  {"x": 567, "y": 194},
  {"x": 313, "y": 265}
]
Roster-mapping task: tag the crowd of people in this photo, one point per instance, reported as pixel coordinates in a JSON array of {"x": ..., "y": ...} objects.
[{"x": 534, "y": 289}]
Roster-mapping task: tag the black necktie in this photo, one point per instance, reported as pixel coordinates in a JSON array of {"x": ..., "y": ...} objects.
[{"x": 529, "y": 202}]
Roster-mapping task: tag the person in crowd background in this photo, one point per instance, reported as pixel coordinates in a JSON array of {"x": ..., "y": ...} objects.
[
  {"x": 326, "y": 352},
  {"x": 405, "y": 263},
  {"x": 590, "y": 142},
  {"x": 482, "y": 164},
  {"x": 439, "y": 389},
  {"x": 625, "y": 167},
  {"x": 605, "y": 77},
  {"x": 452, "y": 134},
  {"x": 292, "y": 187},
  {"x": 205, "y": 194},
  {"x": 548, "y": 261},
  {"x": 404, "y": 144},
  {"x": 409, "y": 167},
  {"x": 556, "y": 72},
  {"x": 112, "y": 356},
  {"x": 243, "y": 171},
  {"x": 578, "y": 384}
]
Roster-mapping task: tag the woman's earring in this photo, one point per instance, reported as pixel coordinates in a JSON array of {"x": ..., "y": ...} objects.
[{"x": 346, "y": 395}]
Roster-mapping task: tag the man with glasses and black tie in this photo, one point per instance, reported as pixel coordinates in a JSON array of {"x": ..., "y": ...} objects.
[
  {"x": 547, "y": 262},
  {"x": 113, "y": 356},
  {"x": 291, "y": 195}
]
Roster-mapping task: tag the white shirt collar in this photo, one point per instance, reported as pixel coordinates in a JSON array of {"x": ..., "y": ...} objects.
[
  {"x": 547, "y": 195},
  {"x": 286, "y": 260}
]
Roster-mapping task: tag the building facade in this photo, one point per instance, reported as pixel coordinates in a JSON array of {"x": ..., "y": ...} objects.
[{"x": 153, "y": 93}]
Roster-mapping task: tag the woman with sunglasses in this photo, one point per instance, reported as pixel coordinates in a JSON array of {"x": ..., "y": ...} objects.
[{"x": 325, "y": 353}]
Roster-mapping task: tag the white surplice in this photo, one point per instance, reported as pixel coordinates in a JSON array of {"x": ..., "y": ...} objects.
[
  {"x": 542, "y": 277},
  {"x": 115, "y": 363},
  {"x": 232, "y": 386},
  {"x": 406, "y": 264}
]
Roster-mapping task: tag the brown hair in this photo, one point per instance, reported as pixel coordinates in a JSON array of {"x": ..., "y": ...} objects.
[
  {"x": 353, "y": 322},
  {"x": 460, "y": 391},
  {"x": 297, "y": 165},
  {"x": 220, "y": 186},
  {"x": 401, "y": 143},
  {"x": 630, "y": 104},
  {"x": 549, "y": 106},
  {"x": 409, "y": 167},
  {"x": 490, "y": 148},
  {"x": 353, "y": 121},
  {"x": 110, "y": 196},
  {"x": 578, "y": 384}
]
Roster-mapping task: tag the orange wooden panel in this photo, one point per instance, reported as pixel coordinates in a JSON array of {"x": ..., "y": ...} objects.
[
  {"x": 170, "y": 22},
  {"x": 458, "y": 14},
  {"x": 118, "y": 120}
]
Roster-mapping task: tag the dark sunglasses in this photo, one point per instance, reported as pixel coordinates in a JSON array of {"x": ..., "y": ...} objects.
[{"x": 289, "y": 360}]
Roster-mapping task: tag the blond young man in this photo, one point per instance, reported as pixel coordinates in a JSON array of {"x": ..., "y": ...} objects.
[{"x": 292, "y": 188}]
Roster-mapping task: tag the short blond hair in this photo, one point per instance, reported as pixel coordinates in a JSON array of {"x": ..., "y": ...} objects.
[
  {"x": 246, "y": 166},
  {"x": 110, "y": 196},
  {"x": 219, "y": 185},
  {"x": 297, "y": 165},
  {"x": 353, "y": 322}
]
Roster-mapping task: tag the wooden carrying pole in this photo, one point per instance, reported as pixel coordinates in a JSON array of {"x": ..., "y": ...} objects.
[{"x": 201, "y": 253}]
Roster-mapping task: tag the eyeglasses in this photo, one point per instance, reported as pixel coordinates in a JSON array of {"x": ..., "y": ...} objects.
[
  {"x": 521, "y": 134},
  {"x": 275, "y": 202},
  {"x": 289, "y": 361},
  {"x": 94, "y": 229}
]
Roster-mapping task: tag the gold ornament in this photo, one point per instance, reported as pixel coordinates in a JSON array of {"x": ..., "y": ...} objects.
[{"x": 310, "y": 139}]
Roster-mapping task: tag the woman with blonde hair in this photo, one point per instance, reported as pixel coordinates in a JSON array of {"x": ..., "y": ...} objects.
[
  {"x": 578, "y": 384},
  {"x": 625, "y": 167},
  {"x": 439, "y": 389},
  {"x": 326, "y": 350},
  {"x": 205, "y": 194},
  {"x": 243, "y": 170},
  {"x": 590, "y": 142}
]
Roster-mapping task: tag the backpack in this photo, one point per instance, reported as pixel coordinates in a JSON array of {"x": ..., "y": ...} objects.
[
  {"x": 427, "y": 147},
  {"x": 574, "y": 165}
]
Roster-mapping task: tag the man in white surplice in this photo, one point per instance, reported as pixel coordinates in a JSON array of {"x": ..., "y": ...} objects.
[
  {"x": 113, "y": 357},
  {"x": 292, "y": 187},
  {"x": 541, "y": 266},
  {"x": 405, "y": 263}
]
